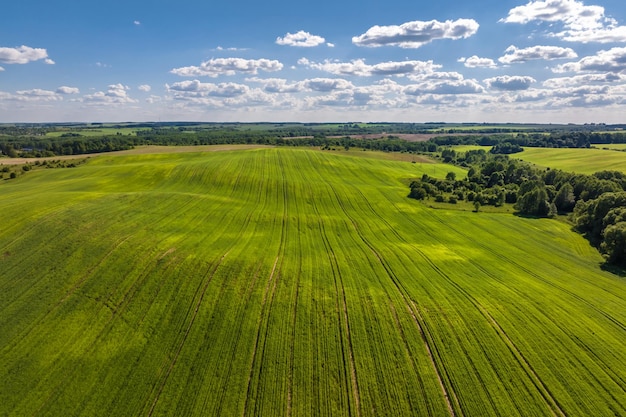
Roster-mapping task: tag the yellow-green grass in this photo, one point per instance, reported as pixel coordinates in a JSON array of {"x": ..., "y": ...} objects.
[
  {"x": 614, "y": 146},
  {"x": 583, "y": 161},
  {"x": 465, "y": 148},
  {"x": 293, "y": 282}
]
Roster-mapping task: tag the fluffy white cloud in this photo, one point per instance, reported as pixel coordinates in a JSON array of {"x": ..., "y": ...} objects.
[
  {"x": 445, "y": 88},
  {"x": 222, "y": 96},
  {"x": 23, "y": 55},
  {"x": 37, "y": 95},
  {"x": 301, "y": 39},
  {"x": 68, "y": 90},
  {"x": 581, "y": 23},
  {"x": 417, "y": 33},
  {"x": 437, "y": 76},
  {"x": 199, "y": 89},
  {"x": 115, "y": 94},
  {"x": 278, "y": 85},
  {"x": 228, "y": 66},
  {"x": 510, "y": 82},
  {"x": 613, "y": 60},
  {"x": 477, "y": 62},
  {"x": 515, "y": 55},
  {"x": 144, "y": 87},
  {"x": 327, "y": 84},
  {"x": 584, "y": 80},
  {"x": 360, "y": 68}
]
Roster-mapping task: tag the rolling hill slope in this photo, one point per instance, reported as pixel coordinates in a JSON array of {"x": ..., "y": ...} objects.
[{"x": 293, "y": 282}]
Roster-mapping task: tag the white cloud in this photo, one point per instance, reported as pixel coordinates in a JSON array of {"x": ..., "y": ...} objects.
[
  {"x": 358, "y": 67},
  {"x": 613, "y": 60},
  {"x": 23, "y": 55},
  {"x": 439, "y": 76},
  {"x": 200, "y": 89},
  {"x": 221, "y": 96},
  {"x": 330, "y": 45},
  {"x": 477, "y": 62},
  {"x": 510, "y": 83},
  {"x": 515, "y": 55},
  {"x": 583, "y": 80},
  {"x": 144, "y": 87},
  {"x": 327, "y": 84},
  {"x": 37, "y": 95},
  {"x": 67, "y": 90},
  {"x": 278, "y": 85},
  {"x": 417, "y": 33},
  {"x": 137, "y": 23},
  {"x": 228, "y": 66},
  {"x": 231, "y": 49},
  {"x": 1, "y": 69},
  {"x": 445, "y": 88},
  {"x": 301, "y": 39},
  {"x": 115, "y": 94},
  {"x": 581, "y": 23}
]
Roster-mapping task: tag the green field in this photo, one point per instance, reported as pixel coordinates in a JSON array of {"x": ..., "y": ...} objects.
[
  {"x": 583, "y": 161},
  {"x": 293, "y": 282},
  {"x": 100, "y": 131},
  {"x": 614, "y": 146}
]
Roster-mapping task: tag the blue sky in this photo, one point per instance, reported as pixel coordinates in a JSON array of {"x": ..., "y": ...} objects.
[{"x": 548, "y": 61}]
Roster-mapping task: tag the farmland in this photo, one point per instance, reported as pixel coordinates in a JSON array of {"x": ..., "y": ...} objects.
[
  {"x": 583, "y": 161},
  {"x": 280, "y": 281}
]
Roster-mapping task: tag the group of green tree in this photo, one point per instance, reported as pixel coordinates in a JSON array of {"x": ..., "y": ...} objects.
[{"x": 596, "y": 204}]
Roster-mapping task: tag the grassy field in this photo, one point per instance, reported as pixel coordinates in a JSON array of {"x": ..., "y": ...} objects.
[
  {"x": 614, "y": 146},
  {"x": 101, "y": 131},
  {"x": 584, "y": 161},
  {"x": 293, "y": 282}
]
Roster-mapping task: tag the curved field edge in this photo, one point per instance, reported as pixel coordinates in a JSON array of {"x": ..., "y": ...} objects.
[{"x": 293, "y": 282}]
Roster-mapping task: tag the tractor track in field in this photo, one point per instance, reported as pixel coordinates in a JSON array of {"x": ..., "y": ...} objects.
[
  {"x": 404, "y": 294},
  {"x": 607, "y": 369},
  {"x": 116, "y": 311},
  {"x": 349, "y": 362},
  {"x": 552, "y": 403},
  {"x": 202, "y": 291},
  {"x": 448, "y": 393},
  {"x": 342, "y": 311},
  {"x": 271, "y": 282},
  {"x": 207, "y": 280},
  {"x": 508, "y": 260},
  {"x": 266, "y": 307}
]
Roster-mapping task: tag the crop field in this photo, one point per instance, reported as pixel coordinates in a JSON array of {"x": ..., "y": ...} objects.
[
  {"x": 614, "y": 146},
  {"x": 583, "y": 161},
  {"x": 293, "y": 282},
  {"x": 101, "y": 131}
]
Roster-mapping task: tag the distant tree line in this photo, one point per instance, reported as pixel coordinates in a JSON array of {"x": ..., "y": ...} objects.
[
  {"x": 575, "y": 139},
  {"x": 596, "y": 203},
  {"x": 30, "y": 142}
]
